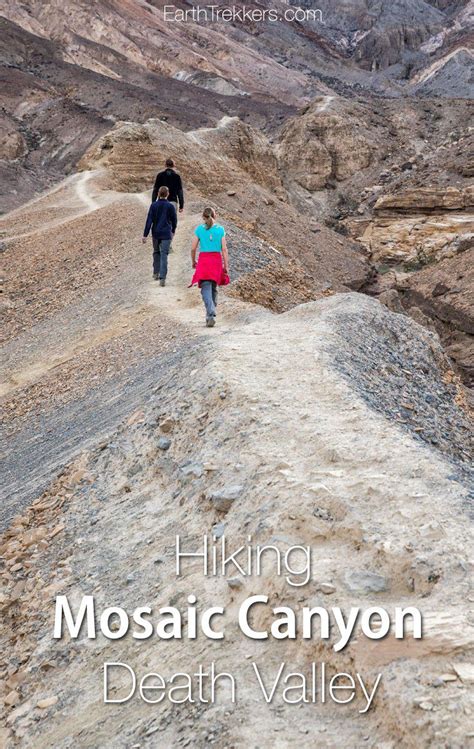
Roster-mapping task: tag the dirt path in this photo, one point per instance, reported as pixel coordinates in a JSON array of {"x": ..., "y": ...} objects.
[
  {"x": 83, "y": 192},
  {"x": 181, "y": 303},
  {"x": 176, "y": 302},
  {"x": 62, "y": 392},
  {"x": 265, "y": 410},
  {"x": 113, "y": 348},
  {"x": 257, "y": 405}
]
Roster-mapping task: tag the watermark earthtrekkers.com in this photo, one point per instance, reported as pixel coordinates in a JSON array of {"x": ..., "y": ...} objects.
[{"x": 239, "y": 14}]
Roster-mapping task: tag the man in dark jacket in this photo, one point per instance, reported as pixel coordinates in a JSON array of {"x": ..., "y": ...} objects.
[
  {"x": 162, "y": 221},
  {"x": 171, "y": 179}
]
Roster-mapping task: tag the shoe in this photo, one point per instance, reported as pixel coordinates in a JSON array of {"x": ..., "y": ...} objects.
[
  {"x": 156, "y": 277},
  {"x": 162, "y": 282},
  {"x": 210, "y": 322}
]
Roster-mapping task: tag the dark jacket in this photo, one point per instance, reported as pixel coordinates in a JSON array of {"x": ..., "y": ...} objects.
[
  {"x": 161, "y": 219},
  {"x": 170, "y": 179}
]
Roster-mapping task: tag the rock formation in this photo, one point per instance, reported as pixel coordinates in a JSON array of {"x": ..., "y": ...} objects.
[
  {"x": 324, "y": 144},
  {"x": 420, "y": 226},
  {"x": 337, "y": 156}
]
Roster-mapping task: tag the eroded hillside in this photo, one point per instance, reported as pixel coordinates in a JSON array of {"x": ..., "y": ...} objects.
[
  {"x": 280, "y": 435},
  {"x": 337, "y": 157},
  {"x": 69, "y": 69}
]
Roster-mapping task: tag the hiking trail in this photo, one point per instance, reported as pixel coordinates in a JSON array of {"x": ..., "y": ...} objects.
[
  {"x": 295, "y": 413},
  {"x": 45, "y": 373}
]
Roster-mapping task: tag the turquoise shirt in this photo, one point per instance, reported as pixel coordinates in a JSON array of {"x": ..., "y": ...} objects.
[{"x": 210, "y": 240}]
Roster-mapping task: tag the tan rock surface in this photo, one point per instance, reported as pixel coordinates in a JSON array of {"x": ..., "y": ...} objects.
[
  {"x": 419, "y": 225},
  {"x": 424, "y": 199},
  {"x": 323, "y": 144}
]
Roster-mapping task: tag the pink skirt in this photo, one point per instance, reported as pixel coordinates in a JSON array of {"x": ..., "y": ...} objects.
[{"x": 209, "y": 268}]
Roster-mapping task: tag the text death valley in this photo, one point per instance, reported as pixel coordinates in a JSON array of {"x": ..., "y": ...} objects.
[{"x": 207, "y": 684}]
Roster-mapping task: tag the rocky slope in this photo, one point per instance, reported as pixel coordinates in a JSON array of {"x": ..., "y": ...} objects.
[
  {"x": 53, "y": 109},
  {"x": 339, "y": 161},
  {"x": 342, "y": 42},
  {"x": 340, "y": 421},
  {"x": 83, "y": 239},
  {"x": 279, "y": 408},
  {"x": 70, "y": 68}
]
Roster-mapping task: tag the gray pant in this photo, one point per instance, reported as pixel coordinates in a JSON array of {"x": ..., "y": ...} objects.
[
  {"x": 161, "y": 247},
  {"x": 209, "y": 297}
]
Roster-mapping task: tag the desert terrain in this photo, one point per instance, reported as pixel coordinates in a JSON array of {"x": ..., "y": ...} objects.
[{"x": 331, "y": 404}]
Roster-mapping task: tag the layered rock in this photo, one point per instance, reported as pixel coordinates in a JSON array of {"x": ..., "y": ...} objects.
[
  {"x": 426, "y": 199},
  {"x": 209, "y": 158},
  {"x": 244, "y": 145},
  {"x": 324, "y": 145},
  {"x": 419, "y": 225}
]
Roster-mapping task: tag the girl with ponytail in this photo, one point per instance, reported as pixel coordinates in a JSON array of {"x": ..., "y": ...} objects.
[{"x": 212, "y": 267}]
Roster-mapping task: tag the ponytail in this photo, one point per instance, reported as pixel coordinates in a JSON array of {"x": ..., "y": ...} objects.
[{"x": 209, "y": 215}]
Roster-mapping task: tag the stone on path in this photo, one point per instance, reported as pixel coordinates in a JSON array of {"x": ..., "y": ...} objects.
[
  {"x": 363, "y": 581},
  {"x": 224, "y": 498}
]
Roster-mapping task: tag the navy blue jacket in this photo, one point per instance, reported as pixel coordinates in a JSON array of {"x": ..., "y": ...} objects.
[{"x": 161, "y": 220}]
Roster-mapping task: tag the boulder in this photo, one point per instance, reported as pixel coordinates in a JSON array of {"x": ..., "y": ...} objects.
[
  {"x": 223, "y": 499},
  {"x": 391, "y": 300},
  {"x": 363, "y": 581}
]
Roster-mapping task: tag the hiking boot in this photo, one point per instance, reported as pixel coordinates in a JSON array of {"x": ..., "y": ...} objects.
[
  {"x": 162, "y": 282},
  {"x": 210, "y": 322},
  {"x": 156, "y": 277}
]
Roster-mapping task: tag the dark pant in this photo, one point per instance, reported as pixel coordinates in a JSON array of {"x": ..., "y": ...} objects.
[
  {"x": 209, "y": 297},
  {"x": 161, "y": 247}
]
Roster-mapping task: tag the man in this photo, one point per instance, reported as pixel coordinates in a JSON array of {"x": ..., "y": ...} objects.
[
  {"x": 172, "y": 180},
  {"x": 162, "y": 221}
]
